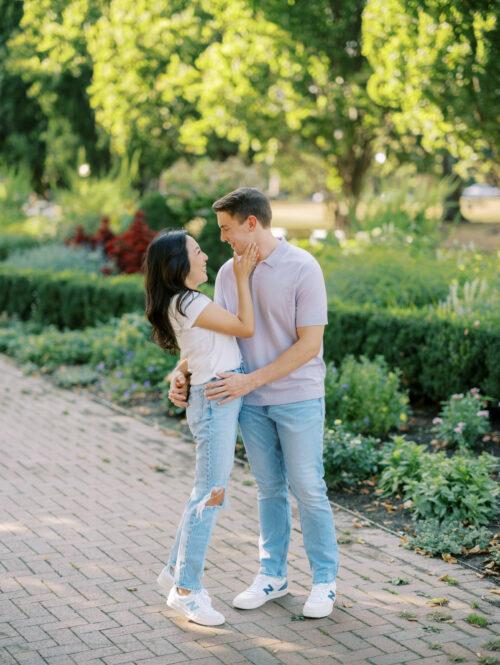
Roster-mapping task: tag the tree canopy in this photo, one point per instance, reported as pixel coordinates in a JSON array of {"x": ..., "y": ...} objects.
[
  {"x": 436, "y": 64},
  {"x": 326, "y": 84}
]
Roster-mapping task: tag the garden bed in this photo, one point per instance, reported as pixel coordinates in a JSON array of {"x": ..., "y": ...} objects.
[{"x": 365, "y": 500}]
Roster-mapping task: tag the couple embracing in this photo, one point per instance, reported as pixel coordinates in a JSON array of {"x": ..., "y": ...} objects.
[{"x": 251, "y": 357}]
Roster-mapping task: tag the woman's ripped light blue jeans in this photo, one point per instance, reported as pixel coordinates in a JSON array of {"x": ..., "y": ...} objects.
[{"x": 214, "y": 428}]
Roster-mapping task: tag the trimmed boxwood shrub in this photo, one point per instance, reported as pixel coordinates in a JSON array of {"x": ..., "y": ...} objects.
[
  {"x": 437, "y": 356},
  {"x": 66, "y": 299},
  {"x": 14, "y": 242}
]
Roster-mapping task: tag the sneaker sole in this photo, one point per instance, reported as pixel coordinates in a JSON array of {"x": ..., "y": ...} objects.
[
  {"x": 318, "y": 614},
  {"x": 191, "y": 617},
  {"x": 253, "y": 606}
]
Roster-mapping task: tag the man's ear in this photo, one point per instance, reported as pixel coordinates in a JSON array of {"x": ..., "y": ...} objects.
[{"x": 252, "y": 222}]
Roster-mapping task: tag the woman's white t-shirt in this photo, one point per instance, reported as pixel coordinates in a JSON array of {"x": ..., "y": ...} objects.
[{"x": 207, "y": 352}]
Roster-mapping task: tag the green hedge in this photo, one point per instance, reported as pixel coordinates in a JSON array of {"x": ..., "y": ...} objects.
[
  {"x": 437, "y": 356},
  {"x": 68, "y": 300},
  {"x": 12, "y": 242}
]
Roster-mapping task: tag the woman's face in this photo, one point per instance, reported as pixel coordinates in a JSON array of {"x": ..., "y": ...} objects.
[{"x": 197, "y": 264}]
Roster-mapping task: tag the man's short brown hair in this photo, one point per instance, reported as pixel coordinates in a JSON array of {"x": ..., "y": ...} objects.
[{"x": 243, "y": 202}]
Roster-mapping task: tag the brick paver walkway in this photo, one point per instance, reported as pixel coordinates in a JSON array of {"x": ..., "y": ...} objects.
[{"x": 90, "y": 500}]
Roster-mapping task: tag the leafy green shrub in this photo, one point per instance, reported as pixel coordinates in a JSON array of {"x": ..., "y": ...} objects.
[
  {"x": 81, "y": 375},
  {"x": 127, "y": 334},
  {"x": 366, "y": 396},
  {"x": 191, "y": 187},
  {"x": 15, "y": 188},
  {"x": 128, "y": 362},
  {"x": 349, "y": 458},
  {"x": 56, "y": 258},
  {"x": 86, "y": 200},
  {"x": 401, "y": 462},
  {"x": 120, "y": 349},
  {"x": 149, "y": 363},
  {"x": 53, "y": 348},
  {"x": 463, "y": 419},
  {"x": 458, "y": 488},
  {"x": 448, "y": 537},
  {"x": 158, "y": 213}
]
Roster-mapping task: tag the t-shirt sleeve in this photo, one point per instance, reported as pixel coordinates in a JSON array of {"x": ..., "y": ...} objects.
[
  {"x": 310, "y": 297},
  {"x": 193, "y": 309}
]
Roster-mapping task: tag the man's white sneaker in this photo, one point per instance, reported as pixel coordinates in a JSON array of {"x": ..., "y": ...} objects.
[
  {"x": 165, "y": 579},
  {"x": 320, "y": 601},
  {"x": 197, "y": 606},
  {"x": 262, "y": 589}
]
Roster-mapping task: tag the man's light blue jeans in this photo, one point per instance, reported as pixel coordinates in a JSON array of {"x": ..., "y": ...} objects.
[
  {"x": 284, "y": 444},
  {"x": 214, "y": 429}
]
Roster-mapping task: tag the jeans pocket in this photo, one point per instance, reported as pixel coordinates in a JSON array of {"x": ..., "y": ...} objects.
[{"x": 195, "y": 409}]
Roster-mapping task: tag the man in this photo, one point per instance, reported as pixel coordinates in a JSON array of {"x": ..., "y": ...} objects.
[{"x": 282, "y": 416}]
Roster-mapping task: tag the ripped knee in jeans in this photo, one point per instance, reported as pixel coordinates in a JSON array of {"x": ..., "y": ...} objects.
[
  {"x": 216, "y": 497},
  {"x": 213, "y": 499}
]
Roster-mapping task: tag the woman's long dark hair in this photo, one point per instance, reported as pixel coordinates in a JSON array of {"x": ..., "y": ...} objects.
[{"x": 166, "y": 267}]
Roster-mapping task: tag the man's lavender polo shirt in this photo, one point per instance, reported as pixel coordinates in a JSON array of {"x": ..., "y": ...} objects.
[{"x": 288, "y": 291}]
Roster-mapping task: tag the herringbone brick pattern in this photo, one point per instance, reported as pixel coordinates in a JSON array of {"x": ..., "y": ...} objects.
[{"x": 90, "y": 500}]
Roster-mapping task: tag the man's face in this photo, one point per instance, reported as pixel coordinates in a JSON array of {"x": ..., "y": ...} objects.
[{"x": 235, "y": 234}]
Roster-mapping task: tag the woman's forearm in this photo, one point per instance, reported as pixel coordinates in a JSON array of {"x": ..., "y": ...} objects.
[{"x": 245, "y": 304}]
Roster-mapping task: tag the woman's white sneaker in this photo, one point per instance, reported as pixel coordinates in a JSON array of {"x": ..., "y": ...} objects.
[
  {"x": 321, "y": 600},
  {"x": 262, "y": 589},
  {"x": 196, "y": 606}
]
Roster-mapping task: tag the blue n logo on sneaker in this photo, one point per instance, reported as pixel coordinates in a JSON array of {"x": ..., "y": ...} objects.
[
  {"x": 268, "y": 589},
  {"x": 331, "y": 595},
  {"x": 192, "y": 605}
]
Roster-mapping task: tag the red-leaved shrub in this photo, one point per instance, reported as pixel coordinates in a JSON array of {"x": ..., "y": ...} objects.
[
  {"x": 128, "y": 249},
  {"x": 100, "y": 239},
  {"x": 80, "y": 237},
  {"x": 103, "y": 234}
]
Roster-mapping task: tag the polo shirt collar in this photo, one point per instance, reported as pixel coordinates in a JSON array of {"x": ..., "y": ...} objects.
[{"x": 275, "y": 256}]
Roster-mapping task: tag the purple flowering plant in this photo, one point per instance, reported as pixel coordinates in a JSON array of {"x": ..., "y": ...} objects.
[{"x": 463, "y": 419}]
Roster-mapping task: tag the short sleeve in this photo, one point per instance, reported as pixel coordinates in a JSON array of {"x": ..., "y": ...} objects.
[
  {"x": 192, "y": 308},
  {"x": 310, "y": 297}
]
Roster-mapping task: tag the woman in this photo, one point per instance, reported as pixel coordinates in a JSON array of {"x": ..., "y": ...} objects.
[{"x": 185, "y": 319}]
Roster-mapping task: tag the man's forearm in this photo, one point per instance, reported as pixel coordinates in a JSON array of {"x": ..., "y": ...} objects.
[{"x": 293, "y": 358}]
